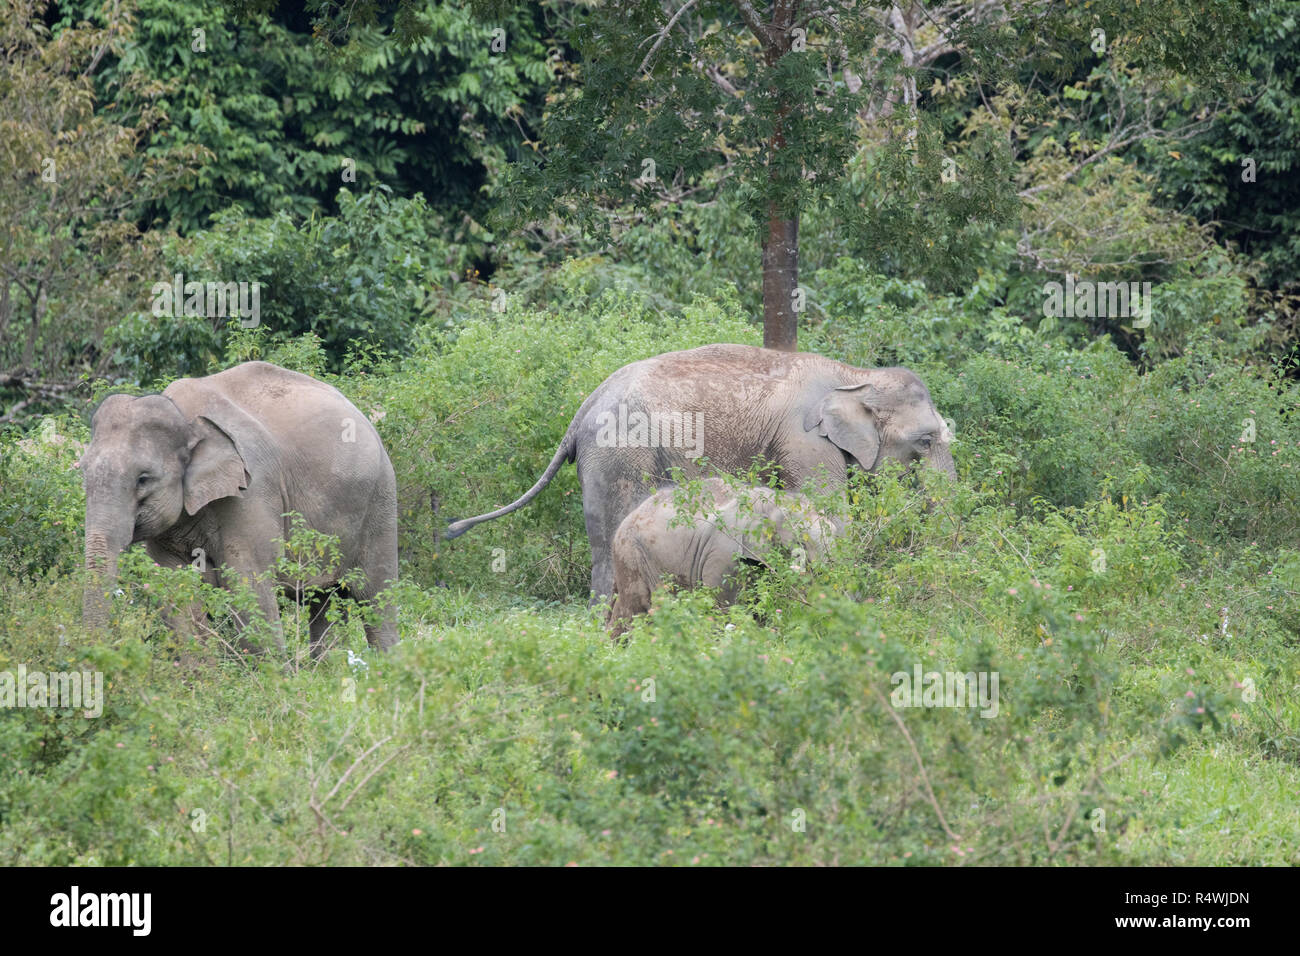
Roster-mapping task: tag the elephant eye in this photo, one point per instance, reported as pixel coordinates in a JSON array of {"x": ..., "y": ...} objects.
[
  {"x": 143, "y": 480},
  {"x": 924, "y": 443}
]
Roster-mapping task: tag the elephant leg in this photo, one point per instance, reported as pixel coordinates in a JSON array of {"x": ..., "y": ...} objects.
[
  {"x": 318, "y": 621},
  {"x": 249, "y": 565},
  {"x": 731, "y": 586},
  {"x": 606, "y": 501},
  {"x": 251, "y": 546},
  {"x": 633, "y": 598},
  {"x": 190, "y": 621},
  {"x": 720, "y": 572},
  {"x": 384, "y": 634},
  {"x": 267, "y": 603},
  {"x": 379, "y": 564},
  {"x": 600, "y": 534}
]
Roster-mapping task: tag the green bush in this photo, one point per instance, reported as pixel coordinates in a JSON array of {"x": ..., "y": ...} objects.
[
  {"x": 363, "y": 278},
  {"x": 280, "y": 110},
  {"x": 42, "y": 504}
]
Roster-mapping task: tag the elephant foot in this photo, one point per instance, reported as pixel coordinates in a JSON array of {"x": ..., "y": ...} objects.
[{"x": 382, "y": 641}]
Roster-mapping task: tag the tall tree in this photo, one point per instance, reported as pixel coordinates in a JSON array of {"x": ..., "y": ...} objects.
[
  {"x": 74, "y": 182},
  {"x": 774, "y": 95},
  {"x": 705, "y": 96},
  {"x": 672, "y": 100}
]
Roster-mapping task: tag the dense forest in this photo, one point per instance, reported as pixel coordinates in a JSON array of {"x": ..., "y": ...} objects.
[{"x": 1077, "y": 222}]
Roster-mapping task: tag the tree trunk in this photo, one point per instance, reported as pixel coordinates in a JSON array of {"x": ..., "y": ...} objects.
[
  {"x": 781, "y": 241},
  {"x": 780, "y": 281}
]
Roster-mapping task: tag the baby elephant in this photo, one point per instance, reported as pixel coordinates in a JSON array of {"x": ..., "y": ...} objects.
[{"x": 734, "y": 525}]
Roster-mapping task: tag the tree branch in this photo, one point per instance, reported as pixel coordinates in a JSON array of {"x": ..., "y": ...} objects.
[{"x": 663, "y": 35}]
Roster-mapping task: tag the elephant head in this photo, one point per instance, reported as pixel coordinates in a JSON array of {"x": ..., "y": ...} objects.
[
  {"x": 888, "y": 416},
  {"x": 146, "y": 467}
]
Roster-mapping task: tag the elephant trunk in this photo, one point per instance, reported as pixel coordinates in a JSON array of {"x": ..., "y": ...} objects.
[
  {"x": 942, "y": 460},
  {"x": 105, "y": 540}
]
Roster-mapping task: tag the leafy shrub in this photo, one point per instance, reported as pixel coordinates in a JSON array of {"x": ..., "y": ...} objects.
[
  {"x": 357, "y": 279},
  {"x": 42, "y": 504},
  {"x": 378, "y": 103}
]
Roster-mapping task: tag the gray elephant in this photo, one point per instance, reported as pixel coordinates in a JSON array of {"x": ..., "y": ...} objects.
[
  {"x": 806, "y": 414},
  {"x": 706, "y": 541},
  {"x": 206, "y": 472}
]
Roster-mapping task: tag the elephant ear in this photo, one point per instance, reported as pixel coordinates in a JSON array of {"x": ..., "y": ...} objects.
[
  {"x": 847, "y": 416},
  {"x": 216, "y": 468}
]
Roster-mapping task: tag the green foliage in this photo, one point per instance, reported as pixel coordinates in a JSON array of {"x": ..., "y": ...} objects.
[
  {"x": 70, "y": 252},
  {"x": 925, "y": 208},
  {"x": 498, "y": 734},
  {"x": 361, "y": 278},
  {"x": 280, "y": 111},
  {"x": 41, "y": 499},
  {"x": 599, "y": 137},
  {"x": 1208, "y": 176}
]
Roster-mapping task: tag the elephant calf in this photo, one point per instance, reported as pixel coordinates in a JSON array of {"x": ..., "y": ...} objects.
[
  {"x": 735, "y": 525},
  {"x": 206, "y": 473}
]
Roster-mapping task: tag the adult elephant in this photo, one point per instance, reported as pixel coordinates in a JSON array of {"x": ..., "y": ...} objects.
[
  {"x": 807, "y": 414},
  {"x": 207, "y": 472}
]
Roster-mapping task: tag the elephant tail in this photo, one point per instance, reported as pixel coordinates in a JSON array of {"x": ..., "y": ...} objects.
[{"x": 563, "y": 454}]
